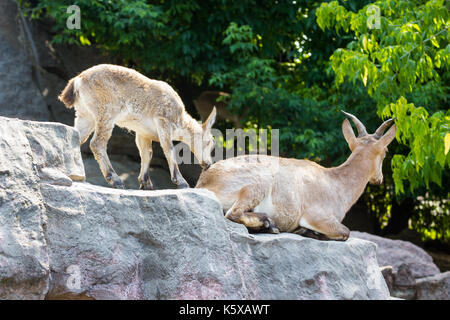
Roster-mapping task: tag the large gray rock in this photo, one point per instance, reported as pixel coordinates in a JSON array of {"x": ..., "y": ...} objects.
[
  {"x": 65, "y": 239},
  {"x": 397, "y": 253},
  {"x": 413, "y": 270},
  {"x": 177, "y": 245},
  {"x": 30, "y": 153},
  {"x": 436, "y": 287}
]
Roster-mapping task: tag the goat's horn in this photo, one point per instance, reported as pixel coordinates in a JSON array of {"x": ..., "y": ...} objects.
[
  {"x": 359, "y": 126},
  {"x": 379, "y": 133}
]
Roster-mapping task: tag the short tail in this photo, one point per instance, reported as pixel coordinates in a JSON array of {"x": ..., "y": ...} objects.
[{"x": 68, "y": 95}]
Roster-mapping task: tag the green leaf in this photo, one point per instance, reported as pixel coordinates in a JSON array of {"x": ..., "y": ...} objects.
[{"x": 447, "y": 143}]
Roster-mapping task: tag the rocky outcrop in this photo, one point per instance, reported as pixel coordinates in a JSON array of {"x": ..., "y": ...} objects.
[
  {"x": 435, "y": 287},
  {"x": 61, "y": 237},
  {"x": 414, "y": 274}
]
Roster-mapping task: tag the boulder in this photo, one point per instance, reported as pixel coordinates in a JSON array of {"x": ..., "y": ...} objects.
[
  {"x": 397, "y": 253},
  {"x": 30, "y": 153},
  {"x": 436, "y": 287},
  {"x": 413, "y": 269},
  {"x": 64, "y": 238}
]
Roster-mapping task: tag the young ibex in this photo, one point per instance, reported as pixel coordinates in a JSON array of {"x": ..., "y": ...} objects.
[
  {"x": 273, "y": 194},
  {"x": 106, "y": 95}
]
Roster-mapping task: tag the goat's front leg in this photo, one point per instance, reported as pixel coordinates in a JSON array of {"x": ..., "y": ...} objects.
[
  {"x": 146, "y": 152},
  {"x": 242, "y": 211},
  {"x": 165, "y": 140},
  {"x": 99, "y": 142}
]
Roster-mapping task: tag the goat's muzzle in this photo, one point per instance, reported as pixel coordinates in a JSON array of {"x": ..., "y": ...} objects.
[
  {"x": 205, "y": 166},
  {"x": 377, "y": 181}
]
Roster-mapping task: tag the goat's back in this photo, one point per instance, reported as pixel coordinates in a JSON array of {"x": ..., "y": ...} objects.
[{"x": 117, "y": 85}]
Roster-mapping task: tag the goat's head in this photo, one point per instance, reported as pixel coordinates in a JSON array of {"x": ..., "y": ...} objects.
[
  {"x": 204, "y": 146},
  {"x": 373, "y": 147}
]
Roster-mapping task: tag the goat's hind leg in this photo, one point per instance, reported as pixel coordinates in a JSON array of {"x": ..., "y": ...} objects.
[
  {"x": 145, "y": 151},
  {"x": 326, "y": 229},
  {"x": 99, "y": 142},
  {"x": 84, "y": 124},
  {"x": 242, "y": 211}
]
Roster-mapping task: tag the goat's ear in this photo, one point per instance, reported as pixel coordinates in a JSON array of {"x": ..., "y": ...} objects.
[
  {"x": 210, "y": 121},
  {"x": 349, "y": 134},
  {"x": 387, "y": 138}
]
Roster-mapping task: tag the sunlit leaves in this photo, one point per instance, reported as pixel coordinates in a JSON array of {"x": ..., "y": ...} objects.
[
  {"x": 405, "y": 57},
  {"x": 240, "y": 39},
  {"x": 447, "y": 143}
]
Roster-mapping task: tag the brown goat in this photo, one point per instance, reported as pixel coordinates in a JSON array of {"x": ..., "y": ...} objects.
[
  {"x": 106, "y": 95},
  {"x": 272, "y": 194}
]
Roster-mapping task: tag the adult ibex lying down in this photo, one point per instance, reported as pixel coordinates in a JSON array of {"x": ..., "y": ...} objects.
[
  {"x": 273, "y": 194},
  {"x": 106, "y": 95}
]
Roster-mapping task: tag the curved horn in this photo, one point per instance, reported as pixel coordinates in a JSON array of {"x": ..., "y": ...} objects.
[
  {"x": 379, "y": 133},
  {"x": 359, "y": 126}
]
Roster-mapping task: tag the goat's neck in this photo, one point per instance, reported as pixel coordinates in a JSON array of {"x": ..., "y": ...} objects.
[
  {"x": 189, "y": 130},
  {"x": 352, "y": 177}
]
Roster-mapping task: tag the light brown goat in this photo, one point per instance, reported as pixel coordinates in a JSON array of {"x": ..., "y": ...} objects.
[
  {"x": 106, "y": 95},
  {"x": 273, "y": 194}
]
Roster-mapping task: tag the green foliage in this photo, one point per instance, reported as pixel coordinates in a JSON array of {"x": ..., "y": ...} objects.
[
  {"x": 431, "y": 218},
  {"x": 405, "y": 59},
  {"x": 169, "y": 38}
]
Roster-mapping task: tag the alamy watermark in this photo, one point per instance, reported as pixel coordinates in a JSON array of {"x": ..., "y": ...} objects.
[
  {"x": 236, "y": 142},
  {"x": 373, "y": 17},
  {"x": 73, "y": 282},
  {"x": 74, "y": 20}
]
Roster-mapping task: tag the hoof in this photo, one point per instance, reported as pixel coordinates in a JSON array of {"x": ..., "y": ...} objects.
[
  {"x": 274, "y": 230},
  {"x": 114, "y": 180},
  {"x": 146, "y": 185},
  {"x": 118, "y": 184},
  {"x": 183, "y": 185},
  {"x": 345, "y": 237},
  {"x": 269, "y": 226}
]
